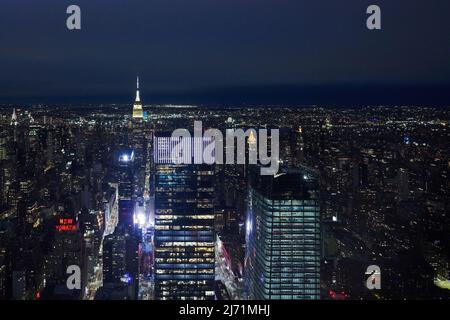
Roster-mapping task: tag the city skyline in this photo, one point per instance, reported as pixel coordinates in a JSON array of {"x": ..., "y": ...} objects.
[
  {"x": 139, "y": 226},
  {"x": 225, "y": 155}
]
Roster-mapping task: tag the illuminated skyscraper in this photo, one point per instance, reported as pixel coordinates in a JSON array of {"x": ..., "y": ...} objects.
[
  {"x": 126, "y": 202},
  {"x": 283, "y": 237},
  {"x": 14, "y": 118},
  {"x": 184, "y": 223},
  {"x": 137, "y": 106},
  {"x": 126, "y": 227}
]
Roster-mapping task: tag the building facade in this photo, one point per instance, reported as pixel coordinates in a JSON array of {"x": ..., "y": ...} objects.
[
  {"x": 184, "y": 227},
  {"x": 283, "y": 237}
]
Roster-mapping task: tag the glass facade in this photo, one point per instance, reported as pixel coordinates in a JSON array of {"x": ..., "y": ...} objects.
[
  {"x": 283, "y": 238},
  {"x": 184, "y": 232}
]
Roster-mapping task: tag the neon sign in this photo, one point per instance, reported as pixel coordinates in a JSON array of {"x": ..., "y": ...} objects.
[{"x": 66, "y": 225}]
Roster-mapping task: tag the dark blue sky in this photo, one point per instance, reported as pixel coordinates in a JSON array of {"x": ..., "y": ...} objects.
[{"x": 219, "y": 50}]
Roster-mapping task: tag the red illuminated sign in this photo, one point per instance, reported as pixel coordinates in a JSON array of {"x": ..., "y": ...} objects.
[{"x": 66, "y": 225}]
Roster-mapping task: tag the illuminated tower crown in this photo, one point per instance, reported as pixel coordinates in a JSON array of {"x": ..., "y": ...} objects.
[
  {"x": 251, "y": 138},
  {"x": 137, "y": 106},
  {"x": 14, "y": 118}
]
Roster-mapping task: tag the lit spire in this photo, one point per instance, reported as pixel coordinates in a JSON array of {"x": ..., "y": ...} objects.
[
  {"x": 138, "y": 98},
  {"x": 14, "y": 117},
  {"x": 137, "y": 106},
  {"x": 252, "y": 138}
]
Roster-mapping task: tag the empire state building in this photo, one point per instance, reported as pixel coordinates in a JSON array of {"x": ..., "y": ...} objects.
[{"x": 137, "y": 106}]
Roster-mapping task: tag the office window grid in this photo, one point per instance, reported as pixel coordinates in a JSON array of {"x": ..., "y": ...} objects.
[
  {"x": 184, "y": 233},
  {"x": 286, "y": 248}
]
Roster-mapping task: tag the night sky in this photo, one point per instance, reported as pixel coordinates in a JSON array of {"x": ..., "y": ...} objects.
[{"x": 225, "y": 51}]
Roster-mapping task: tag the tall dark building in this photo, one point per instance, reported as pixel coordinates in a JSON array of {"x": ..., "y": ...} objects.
[
  {"x": 121, "y": 261},
  {"x": 184, "y": 226},
  {"x": 114, "y": 259},
  {"x": 126, "y": 202},
  {"x": 283, "y": 237},
  {"x": 121, "y": 249}
]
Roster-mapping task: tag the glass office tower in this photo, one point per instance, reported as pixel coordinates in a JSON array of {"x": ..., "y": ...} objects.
[
  {"x": 283, "y": 237},
  {"x": 126, "y": 201},
  {"x": 184, "y": 226}
]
